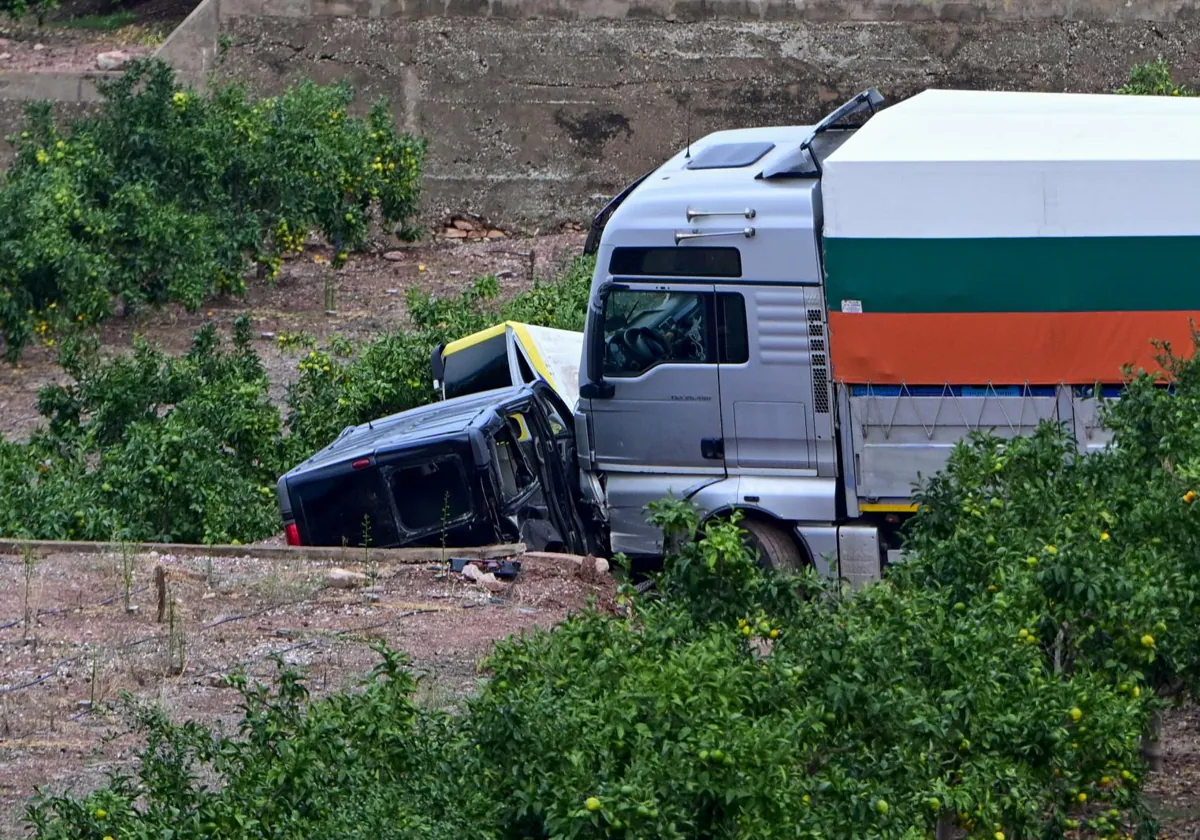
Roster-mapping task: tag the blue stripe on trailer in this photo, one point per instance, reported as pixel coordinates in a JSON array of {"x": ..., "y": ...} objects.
[{"x": 952, "y": 390}]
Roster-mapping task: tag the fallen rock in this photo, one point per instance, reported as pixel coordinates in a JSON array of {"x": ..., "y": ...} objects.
[
  {"x": 115, "y": 60},
  {"x": 601, "y": 566},
  {"x": 345, "y": 579},
  {"x": 454, "y": 233},
  {"x": 491, "y": 584},
  {"x": 5, "y": 56},
  {"x": 39, "y": 47},
  {"x": 463, "y": 224},
  {"x": 496, "y": 234},
  {"x": 472, "y": 573},
  {"x": 393, "y": 256}
]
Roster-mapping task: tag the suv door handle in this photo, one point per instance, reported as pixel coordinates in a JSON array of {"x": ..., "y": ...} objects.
[{"x": 712, "y": 448}]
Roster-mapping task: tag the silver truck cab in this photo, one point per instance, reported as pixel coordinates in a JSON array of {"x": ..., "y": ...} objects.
[{"x": 705, "y": 371}]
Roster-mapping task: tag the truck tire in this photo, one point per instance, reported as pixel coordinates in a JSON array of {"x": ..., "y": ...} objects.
[{"x": 775, "y": 546}]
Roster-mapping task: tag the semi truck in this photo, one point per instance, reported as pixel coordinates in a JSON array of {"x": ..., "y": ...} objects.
[{"x": 799, "y": 323}]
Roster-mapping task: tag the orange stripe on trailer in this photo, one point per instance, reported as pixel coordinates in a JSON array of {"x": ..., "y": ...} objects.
[{"x": 1038, "y": 348}]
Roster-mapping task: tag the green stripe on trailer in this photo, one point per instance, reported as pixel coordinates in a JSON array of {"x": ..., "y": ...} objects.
[{"x": 1043, "y": 274}]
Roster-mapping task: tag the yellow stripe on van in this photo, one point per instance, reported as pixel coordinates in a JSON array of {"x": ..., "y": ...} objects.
[
  {"x": 887, "y": 508},
  {"x": 535, "y": 356},
  {"x": 472, "y": 340}
]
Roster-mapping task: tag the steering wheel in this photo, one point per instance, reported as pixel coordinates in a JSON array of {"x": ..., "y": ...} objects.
[{"x": 645, "y": 345}]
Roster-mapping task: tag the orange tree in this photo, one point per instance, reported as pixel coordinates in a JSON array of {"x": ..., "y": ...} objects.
[
  {"x": 786, "y": 710},
  {"x": 1099, "y": 555},
  {"x": 167, "y": 195}
]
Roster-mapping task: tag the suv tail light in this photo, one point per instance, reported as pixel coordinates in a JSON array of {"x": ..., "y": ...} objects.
[{"x": 293, "y": 534}]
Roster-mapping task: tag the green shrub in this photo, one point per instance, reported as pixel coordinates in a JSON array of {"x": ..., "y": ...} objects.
[
  {"x": 165, "y": 195},
  {"x": 355, "y": 766},
  {"x": 809, "y": 715},
  {"x": 1153, "y": 79},
  {"x": 147, "y": 446},
  {"x": 150, "y": 447}
]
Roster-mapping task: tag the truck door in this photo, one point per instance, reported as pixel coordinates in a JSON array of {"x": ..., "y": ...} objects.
[
  {"x": 664, "y": 413},
  {"x": 766, "y": 378}
]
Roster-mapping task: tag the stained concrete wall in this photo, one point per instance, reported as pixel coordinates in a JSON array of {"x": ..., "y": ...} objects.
[{"x": 534, "y": 121}]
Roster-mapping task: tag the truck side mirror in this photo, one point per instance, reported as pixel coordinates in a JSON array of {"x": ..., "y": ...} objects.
[{"x": 597, "y": 390}]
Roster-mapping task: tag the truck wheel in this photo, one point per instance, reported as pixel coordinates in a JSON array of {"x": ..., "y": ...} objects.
[{"x": 775, "y": 546}]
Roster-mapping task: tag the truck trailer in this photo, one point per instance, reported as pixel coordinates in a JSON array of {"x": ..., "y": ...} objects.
[{"x": 799, "y": 323}]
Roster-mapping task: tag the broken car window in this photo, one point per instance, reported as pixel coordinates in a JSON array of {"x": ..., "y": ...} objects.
[
  {"x": 516, "y": 475},
  {"x": 431, "y": 495}
]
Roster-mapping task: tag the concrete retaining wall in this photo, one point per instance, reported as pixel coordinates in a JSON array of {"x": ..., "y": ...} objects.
[{"x": 535, "y": 121}]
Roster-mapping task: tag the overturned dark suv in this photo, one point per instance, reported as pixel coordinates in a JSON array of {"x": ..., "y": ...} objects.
[{"x": 491, "y": 467}]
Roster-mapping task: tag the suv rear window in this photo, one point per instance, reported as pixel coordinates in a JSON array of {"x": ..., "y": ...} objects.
[
  {"x": 431, "y": 495},
  {"x": 342, "y": 509}
]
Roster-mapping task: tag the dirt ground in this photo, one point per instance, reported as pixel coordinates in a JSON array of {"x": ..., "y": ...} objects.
[
  {"x": 77, "y": 31},
  {"x": 59, "y": 50},
  {"x": 61, "y": 675},
  {"x": 369, "y": 300}
]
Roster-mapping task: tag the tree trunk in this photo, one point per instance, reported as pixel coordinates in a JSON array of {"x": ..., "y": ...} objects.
[
  {"x": 1152, "y": 743},
  {"x": 945, "y": 826}
]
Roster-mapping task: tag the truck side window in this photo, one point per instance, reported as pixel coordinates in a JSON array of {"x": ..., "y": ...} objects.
[{"x": 648, "y": 327}]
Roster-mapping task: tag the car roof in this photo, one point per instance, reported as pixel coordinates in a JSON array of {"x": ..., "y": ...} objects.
[{"x": 445, "y": 420}]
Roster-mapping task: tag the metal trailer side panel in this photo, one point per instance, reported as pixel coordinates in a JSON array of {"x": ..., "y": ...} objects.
[{"x": 901, "y": 436}]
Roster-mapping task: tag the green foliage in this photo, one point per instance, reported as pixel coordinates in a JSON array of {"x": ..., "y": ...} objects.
[
  {"x": 165, "y": 195},
  {"x": 151, "y": 447},
  {"x": 17, "y": 9},
  {"x": 351, "y": 766},
  {"x": 146, "y": 446},
  {"x": 809, "y": 715},
  {"x": 100, "y": 22},
  {"x": 1153, "y": 79}
]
